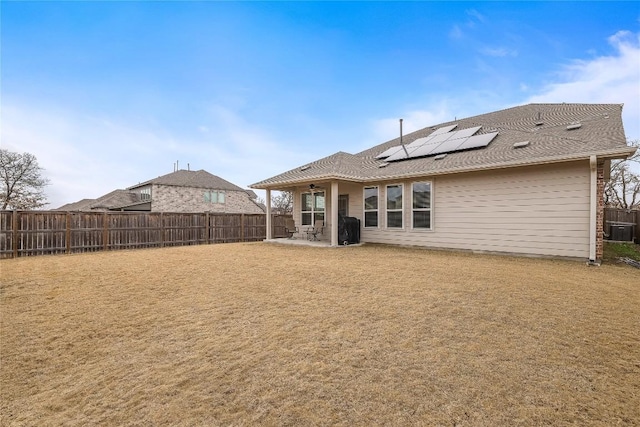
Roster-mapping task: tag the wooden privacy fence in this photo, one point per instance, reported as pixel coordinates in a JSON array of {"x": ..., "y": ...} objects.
[
  {"x": 28, "y": 233},
  {"x": 620, "y": 217}
]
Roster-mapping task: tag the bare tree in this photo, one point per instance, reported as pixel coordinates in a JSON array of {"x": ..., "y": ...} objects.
[
  {"x": 283, "y": 203},
  {"x": 21, "y": 181},
  {"x": 623, "y": 188}
]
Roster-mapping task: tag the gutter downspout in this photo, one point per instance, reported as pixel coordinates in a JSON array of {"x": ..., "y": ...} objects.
[{"x": 593, "y": 208}]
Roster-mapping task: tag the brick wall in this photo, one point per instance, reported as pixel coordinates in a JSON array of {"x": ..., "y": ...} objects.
[{"x": 168, "y": 198}]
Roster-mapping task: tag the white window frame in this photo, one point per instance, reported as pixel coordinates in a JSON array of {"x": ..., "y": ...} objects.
[
  {"x": 315, "y": 210},
  {"x": 429, "y": 209},
  {"x": 214, "y": 197},
  {"x": 387, "y": 210},
  {"x": 145, "y": 194},
  {"x": 376, "y": 210}
]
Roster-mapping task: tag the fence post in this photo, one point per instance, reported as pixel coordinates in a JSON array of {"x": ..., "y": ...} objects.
[
  {"x": 242, "y": 227},
  {"x": 206, "y": 228},
  {"x": 67, "y": 235},
  {"x": 105, "y": 231},
  {"x": 161, "y": 230},
  {"x": 14, "y": 225}
]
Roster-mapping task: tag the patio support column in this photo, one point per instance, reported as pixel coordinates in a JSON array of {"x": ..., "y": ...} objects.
[
  {"x": 593, "y": 211},
  {"x": 334, "y": 213},
  {"x": 269, "y": 227}
]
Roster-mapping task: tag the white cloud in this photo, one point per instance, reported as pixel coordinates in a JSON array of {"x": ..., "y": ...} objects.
[
  {"x": 245, "y": 151},
  {"x": 385, "y": 129},
  {"x": 456, "y": 32},
  {"x": 83, "y": 156},
  {"x": 604, "y": 79},
  {"x": 87, "y": 156},
  {"x": 499, "y": 52},
  {"x": 474, "y": 15}
]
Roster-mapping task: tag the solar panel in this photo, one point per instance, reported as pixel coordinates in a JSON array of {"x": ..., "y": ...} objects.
[
  {"x": 389, "y": 152},
  {"x": 477, "y": 141},
  {"x": 448, "y": 146},
  {"x": 418, "y": 142},
  {"x": 444, "y": 129},
  {"x": 425, "y": 150},
  {"x": 399, "y": 155},
  {"x": 440, "y": 138},
  {"x": 440, "y": 141},
  {"x": 464, "y": 133}
]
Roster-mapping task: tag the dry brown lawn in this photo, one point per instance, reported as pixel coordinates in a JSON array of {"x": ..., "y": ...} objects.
[{"x": 262, "y": 334}]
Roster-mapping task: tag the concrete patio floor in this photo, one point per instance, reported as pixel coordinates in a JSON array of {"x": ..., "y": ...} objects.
[{"x": 305, "y": 242}]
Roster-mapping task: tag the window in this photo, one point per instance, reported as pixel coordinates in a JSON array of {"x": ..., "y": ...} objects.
[
  {"x": 422, "y": 205},
  {"x": 312, "y": 207},
  {"x": 145, "y": 194},
  {"x": 370, "y": 206},
  {"x": 394, "y": 206},
  {"x": 211, "y": 196}
]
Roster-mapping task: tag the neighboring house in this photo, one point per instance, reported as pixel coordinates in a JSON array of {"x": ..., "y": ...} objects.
[
  {"x": 180, "y": 191},
  {"x": 524, "y": 180},
  {"x": 117, "y": 200}
]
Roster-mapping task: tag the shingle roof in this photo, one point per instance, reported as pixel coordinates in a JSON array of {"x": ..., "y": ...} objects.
[
  {"x": 544, "y": 125},
  {"x": 185, "y": 178},
  {"x": 116, "y": 199},
  {"x": 81, "y": 205}
]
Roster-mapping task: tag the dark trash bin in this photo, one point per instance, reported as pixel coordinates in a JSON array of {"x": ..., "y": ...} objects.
[{"x": 348, "y": 230}]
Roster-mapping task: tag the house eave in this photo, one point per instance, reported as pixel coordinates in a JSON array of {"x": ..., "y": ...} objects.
[
  {"x": 616, "y": 154},
  {"x": 303, "y": 181},
  {"x": 605, "y": 154}
]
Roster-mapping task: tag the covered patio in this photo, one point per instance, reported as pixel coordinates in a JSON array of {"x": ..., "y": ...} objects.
[{"x": 324, "y": 196}]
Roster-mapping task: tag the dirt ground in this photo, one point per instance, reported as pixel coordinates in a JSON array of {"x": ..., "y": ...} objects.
[{"x": 264, "y": 334}]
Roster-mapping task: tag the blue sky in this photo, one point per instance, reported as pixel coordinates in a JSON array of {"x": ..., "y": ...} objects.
[{"x": 109, "y": 94}]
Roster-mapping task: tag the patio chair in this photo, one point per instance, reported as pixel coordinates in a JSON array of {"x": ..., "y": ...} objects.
[
  {"x": 318, "y": 228},
  {"x": 290, "y": 228}
]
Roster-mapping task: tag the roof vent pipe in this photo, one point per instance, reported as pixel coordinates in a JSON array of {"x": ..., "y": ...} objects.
[{"x": 406, "y": 153}]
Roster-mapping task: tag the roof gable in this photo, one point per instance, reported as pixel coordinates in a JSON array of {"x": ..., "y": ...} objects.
[{"x": 186, "y": 178}]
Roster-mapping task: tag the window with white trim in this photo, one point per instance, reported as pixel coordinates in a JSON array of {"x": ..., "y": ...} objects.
[
  {"x": 421, "y": 208},
  {"x": 312, "y": 207},
  {"x": 394, "y": 206},
  {"x": 145, "y": 193},
  {"x": 370, "y": 206},
  {"x": 211, "y": 196}
]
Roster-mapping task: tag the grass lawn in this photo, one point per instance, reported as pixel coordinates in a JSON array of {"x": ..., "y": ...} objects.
[
  {"x": 615, "y": 250},
  {"x": 260, "y": 334}
]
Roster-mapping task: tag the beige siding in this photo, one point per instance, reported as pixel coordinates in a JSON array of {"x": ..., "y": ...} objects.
[
  {"x": 355, "y": 198},
  {"x": 541, "y": 210}
]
